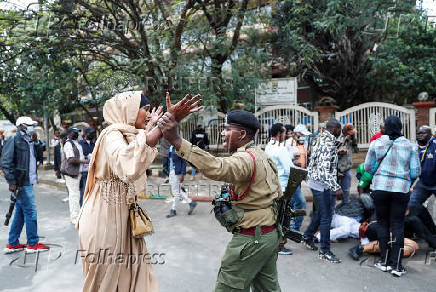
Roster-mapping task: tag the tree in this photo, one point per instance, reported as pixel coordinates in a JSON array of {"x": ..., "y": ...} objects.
[
  {"x": 162, "y": 43},
  {"x": 329, "y": 42},
  {"x": 404, "y": 65}
]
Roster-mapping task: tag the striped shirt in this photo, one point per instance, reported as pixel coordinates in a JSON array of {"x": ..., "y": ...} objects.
[{"x": 397, "y": 170}]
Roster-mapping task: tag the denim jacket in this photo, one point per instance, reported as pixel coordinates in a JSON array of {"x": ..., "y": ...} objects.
[
  {"x": 15, "y": 160},
  {"x": 179, "y": 163}
]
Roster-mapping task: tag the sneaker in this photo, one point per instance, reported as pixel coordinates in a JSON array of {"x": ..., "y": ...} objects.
[
  {"x": 166, "y": 181},
  {"x": 65, "y": 199},
  {"x": 39, "y": 247},
  {"x": 307, "y": 242},
  {"x": 172, "y": 213},
  {"x": 192, "y": 206},
  {"x": 286, "y": 251},
  {"x": 399, "y": 272},
  {"x": 11, "y": 249},
  {"x": 329, "y": 256},
  {"x": 382, "y": 266},
  {"x": 356, "y": 252}
]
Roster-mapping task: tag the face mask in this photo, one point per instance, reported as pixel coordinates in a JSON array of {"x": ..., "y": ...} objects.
[
  {"x": 29, "y": 130},
  {"x": 74, "y": 136}
]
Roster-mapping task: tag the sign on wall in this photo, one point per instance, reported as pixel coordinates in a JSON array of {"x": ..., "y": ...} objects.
[{"x": 277, "y": 91}]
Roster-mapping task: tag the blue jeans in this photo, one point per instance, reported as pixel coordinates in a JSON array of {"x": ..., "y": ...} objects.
[
  {"x": 345, "y": 183},
  {"x": 25, "y": 212},
  {"x": 297, "y": 202},
  {"x": 166, "y": 166},
  {"x": 421, "y": 193},
  {"x": 322, "y": 218},
  {"x": 194, "y": 170}
]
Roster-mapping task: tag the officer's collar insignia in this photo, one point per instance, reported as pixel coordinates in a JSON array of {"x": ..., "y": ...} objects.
[{"x": 430, "y": 156}]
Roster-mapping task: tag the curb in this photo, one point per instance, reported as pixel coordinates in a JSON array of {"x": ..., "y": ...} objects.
[{"x": 194, "y": 198}]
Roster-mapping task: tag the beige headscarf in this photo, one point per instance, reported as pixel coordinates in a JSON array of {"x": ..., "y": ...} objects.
[{"x": 120, "y": 112}]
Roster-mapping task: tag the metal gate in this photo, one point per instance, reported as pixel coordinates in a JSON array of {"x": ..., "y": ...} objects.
[
  {"x": 433, "y": 119},
  {"x": 287, "y": 115},
  {"x": 367, "y": 118}
]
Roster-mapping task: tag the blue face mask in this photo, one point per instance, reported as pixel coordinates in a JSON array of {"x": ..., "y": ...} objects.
[{"x": 29, "y": 130}]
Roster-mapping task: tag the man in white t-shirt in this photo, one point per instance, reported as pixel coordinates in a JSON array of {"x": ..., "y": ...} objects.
[
  {"x": 277, "y": 151},
  {"x": 72, "y": 168}
]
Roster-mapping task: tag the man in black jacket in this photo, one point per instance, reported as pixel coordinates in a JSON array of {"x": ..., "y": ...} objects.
[
  {"x": 199, "y": 138},
  {"x": 19, "y": 167},
  {"x": 57, "y": 155},
  {"x": 88, "y": 144}
]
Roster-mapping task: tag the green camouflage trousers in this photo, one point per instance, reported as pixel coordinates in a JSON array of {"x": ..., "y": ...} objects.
[{"x": 250, "y": 261}]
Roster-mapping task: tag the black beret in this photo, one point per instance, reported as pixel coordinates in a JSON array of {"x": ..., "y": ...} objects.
[{"x": 243, "y": 119}]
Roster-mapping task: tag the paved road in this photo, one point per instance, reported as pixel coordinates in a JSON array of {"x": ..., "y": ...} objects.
[{"x": 193, "y": 246}]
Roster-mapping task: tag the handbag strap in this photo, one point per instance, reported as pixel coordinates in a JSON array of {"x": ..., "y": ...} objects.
[
  {"x": 383, "y": 158},
  {"x": 235, "y": 197}
]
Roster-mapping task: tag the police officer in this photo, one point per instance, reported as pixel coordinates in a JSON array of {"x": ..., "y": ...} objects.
[{"x": 251, "y": 256}]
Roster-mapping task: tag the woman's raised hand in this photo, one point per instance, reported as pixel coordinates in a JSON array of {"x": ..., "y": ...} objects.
[
  {"x": 155, "y": 115},
  {"x": 184, "y": 107}
]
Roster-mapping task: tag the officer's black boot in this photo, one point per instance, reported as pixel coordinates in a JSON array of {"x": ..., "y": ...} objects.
[
  {"x": 172, "y": 213},
  {"x": 356, "y": 252},
  {"x": 192, "y": 206}
]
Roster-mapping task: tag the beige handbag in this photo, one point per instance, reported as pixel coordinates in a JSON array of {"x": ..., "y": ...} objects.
[{"x": 140, "y": 222}]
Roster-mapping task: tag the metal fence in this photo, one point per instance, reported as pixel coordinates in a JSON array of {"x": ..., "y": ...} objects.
[
  {"x": 432, "y": 118},
  {"x": 367, "y": 118},
  {"x": 287, "y": 115}
]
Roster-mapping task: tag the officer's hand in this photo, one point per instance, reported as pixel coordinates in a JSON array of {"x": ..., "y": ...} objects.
[
  {"x": 282, "y": 244},
  {"x": 12, "y": 188},
  {"x": 184, "y": 107},
  {"x": 168, "y": 125},
  {"x": 339, "y": 194}
]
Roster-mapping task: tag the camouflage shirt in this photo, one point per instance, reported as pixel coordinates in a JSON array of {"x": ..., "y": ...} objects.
[{"x": 324, "y": 161}]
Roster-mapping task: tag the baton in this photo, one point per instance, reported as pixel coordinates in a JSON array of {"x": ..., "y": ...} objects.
[{"x": 14, "y": 196}]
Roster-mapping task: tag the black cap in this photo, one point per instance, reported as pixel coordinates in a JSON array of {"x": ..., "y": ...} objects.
[
  {"x": 89, "y": 130},
  {"x": 243, "y": 119},
  {"x": 73, "y": 129}
]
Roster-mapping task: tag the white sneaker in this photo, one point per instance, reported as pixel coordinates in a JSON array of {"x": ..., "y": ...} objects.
[
  {"x": 65, "y": 199},
  {"x": 382, "y": 266},
  {"x": 60, "y": 181},
  {"x": 399, "y": 272}
]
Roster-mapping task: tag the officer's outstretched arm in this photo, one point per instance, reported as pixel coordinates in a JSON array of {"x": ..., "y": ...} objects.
[{"x": 238, "y": 167}]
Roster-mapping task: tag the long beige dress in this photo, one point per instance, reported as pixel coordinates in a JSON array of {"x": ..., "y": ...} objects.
[{"x": 112, "y": 259}]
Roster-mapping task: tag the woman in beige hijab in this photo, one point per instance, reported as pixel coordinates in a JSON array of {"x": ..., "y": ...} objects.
[{"x": 113, "y": 260}]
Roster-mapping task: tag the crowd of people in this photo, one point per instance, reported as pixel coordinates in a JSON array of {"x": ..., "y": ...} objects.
[
  {"x": 386, "y": 200},
  {"x": 104, "y": 175}
]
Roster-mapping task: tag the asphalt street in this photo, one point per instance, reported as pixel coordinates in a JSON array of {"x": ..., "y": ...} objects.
[{"x": 191, "y": 248}]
